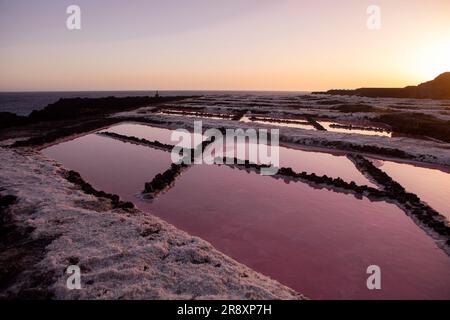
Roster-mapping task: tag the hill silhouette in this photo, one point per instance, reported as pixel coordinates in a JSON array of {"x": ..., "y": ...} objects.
[{"x": 439, "y": 88}]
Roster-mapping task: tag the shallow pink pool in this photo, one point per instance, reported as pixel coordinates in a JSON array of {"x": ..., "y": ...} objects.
[
  {"x": 320, "y": 163},
  {"x": 431, "y": 185},
  {"x": 111, "y": 165},
  {"x": 154, "y": 133},
  {"x": 316, "y": 241}
]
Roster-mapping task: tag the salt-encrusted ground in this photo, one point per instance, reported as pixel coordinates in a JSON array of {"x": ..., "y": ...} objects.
[
  {"x": 133, "y": 255},
  {"x": 314, "y": 105},
  {"x": 122, "y": 255},
  {"x": 282, "y": 106},
  {"x": 420, "y": 150}
]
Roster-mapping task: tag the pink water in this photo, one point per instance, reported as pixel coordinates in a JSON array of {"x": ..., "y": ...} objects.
[
  {"x": 431, "y": 185},
  {"x": 327, "y": 125},
  {"x": 150, "y": 133},
  {"x": 298, "y": 125},
  {"x": 316, "y": 241},
  {"x": 110, "y": 165},
  {"x": 320, "y": 163}
]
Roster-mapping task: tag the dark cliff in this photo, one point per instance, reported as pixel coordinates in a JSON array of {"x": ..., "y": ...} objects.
[{"x": 438, "y": 88}]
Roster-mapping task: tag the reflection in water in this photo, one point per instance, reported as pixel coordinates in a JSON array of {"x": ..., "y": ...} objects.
[
  {"x": 431, "y": 185},
  {"x": 111, "y": 165},
  {"x": 299, "y": 125},
  {"x": 328, "y": 125},
  {"x": 162, "y": 135},
  {"x": 320, "y": 163},
  {"x": 316, "y": 241},
  {"x": 193, "y": 115}
]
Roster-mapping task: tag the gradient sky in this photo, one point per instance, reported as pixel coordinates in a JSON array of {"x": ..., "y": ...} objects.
[{"x": 221, "y": 44}]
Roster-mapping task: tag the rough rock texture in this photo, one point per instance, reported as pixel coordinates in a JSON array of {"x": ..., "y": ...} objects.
[{"x": 122, "y": 255}]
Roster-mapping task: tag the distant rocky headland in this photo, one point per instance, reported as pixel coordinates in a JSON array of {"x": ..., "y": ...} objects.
[{"x": 439, "y": 88}]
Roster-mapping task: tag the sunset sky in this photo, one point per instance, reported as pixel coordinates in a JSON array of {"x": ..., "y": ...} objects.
[{"x": 221, "y": 45}]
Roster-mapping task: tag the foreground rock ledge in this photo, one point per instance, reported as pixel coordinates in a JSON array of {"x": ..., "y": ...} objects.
[{"x": 122, "y": 255}]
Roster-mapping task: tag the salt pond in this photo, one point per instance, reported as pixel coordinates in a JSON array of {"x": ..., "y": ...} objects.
[
  {"x": 318, "y": 242},
  {"x": 151, "y": 133},
  {"x": 299, "y": 125},
  {"x": 315, "y": 241},
  {"x": 193, "y": 115},
  {"x": 431, "y": 185},
  {"x": 111, "y": 165},
  {"x": 320, "y": 163},
  {"x": 328, "y": 125}
]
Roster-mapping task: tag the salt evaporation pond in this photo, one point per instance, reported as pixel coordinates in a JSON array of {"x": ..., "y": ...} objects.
[
  {"x": 298, "y": 125},
  {"x": 431, "y": 185},
  {"x": 328, "y": 125},
  {"x": 321, "y": 163},
  {"x": 318, "y": 242},
  {"x": 111, "y": 165},
  {"x": 192, "y": 115},
  {"x": 150, "y": 133}
]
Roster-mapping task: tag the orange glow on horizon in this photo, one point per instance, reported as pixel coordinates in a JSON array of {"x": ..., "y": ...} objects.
[{"x": 290, "y": 46}]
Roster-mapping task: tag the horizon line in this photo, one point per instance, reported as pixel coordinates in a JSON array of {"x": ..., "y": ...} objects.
[{"x": 159, "y": 90}]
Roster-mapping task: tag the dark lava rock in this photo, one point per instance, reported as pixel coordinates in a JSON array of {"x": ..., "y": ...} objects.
[
  {"x": 439, "y": 88},
  {"x": 8, "y": 200}
]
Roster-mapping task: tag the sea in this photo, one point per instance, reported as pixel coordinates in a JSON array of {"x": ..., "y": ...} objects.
[{"x": 23, "y": 103}]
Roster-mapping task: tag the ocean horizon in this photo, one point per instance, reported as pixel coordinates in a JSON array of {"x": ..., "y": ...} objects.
[{"x": 24, "y": 102}]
